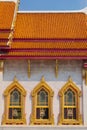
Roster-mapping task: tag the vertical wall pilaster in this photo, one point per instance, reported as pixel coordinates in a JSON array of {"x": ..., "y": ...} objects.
[
  {"x": 85, "y": 93},
  {"x": 1, "y": 69}
]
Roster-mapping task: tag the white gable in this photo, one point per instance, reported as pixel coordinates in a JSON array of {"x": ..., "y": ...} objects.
[
  {"x": 9, "y": 0},
  {"x": 84, "y": 10}
]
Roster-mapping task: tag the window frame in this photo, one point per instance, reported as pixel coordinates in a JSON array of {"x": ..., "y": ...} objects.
[
  {"x": 78, "y": 121},
  {"x": 34, "y": 120},
  {"x": 42, "y": 106},
  {"x": 14, "y": 106},
  {"x": 70, "y": 106},
  {"x": 5, "y": 120}
]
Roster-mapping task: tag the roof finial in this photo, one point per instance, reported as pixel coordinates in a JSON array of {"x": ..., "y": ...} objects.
[
  {"x": 42, "y": 79},
  {"x": 15, "y": 78},
  {"x": 70, "y": 79}
]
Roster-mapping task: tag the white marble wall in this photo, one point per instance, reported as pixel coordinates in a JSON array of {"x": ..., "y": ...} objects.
[
  {"x": 43, "y": 128},
  {"x": 18, "y": 68},
  {"x": 44, "y": 68}
]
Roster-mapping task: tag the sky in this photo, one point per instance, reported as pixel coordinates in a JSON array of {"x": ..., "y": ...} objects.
[{"x": 52, "y": 5}]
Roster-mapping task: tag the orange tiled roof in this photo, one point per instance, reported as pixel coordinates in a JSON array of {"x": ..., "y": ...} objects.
[
  {"x": 4, "y": 35},
  {"x": 48, "y": 54},
  {"x": 59, "y": 49},
  {"x": 2, "y": 43},
  {"x": 66, "y": 44},
  {"x": 6, "y": 14},
  {"x": 50, "y": 25},
  {"x": 69, "y": 26}
]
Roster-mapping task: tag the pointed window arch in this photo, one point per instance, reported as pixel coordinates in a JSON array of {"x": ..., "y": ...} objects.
[
  {"x": 42, "y": 103},
  {"x": 14, "y": 102},
  {"x": 70, "y": 104},
  {"x": 15, "y": 97},
  {"x": 42, "y": 98}
]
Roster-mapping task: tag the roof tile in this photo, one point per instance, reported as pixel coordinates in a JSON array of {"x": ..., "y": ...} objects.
[
  {"x": 49, "y": 53},
  {"x": 66, "y": 44},
  {"x": 50, "y": 25},
  {"x": 4, "y": 35},
  {"x": 3, "y": 44},
  {"x": 6, "y": 14}
]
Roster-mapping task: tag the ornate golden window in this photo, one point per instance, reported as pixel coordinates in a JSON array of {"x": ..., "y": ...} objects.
[
  {"x": 42, "y": 99},
  {"x": 14, "y": 104},
  {"x": 70, "y": 104}
]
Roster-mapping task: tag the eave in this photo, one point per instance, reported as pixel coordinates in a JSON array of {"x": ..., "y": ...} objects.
[
  {"x": 11, "y": 57},
  {"x": 44, "y": 54},
  {"x": 4, "y": 47}
]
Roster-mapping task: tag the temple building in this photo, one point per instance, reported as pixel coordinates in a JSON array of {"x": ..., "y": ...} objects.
[{"x": 43, "y": 68}]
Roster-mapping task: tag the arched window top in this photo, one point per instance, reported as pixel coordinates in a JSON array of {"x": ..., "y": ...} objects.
[
  {"x": 42, "y": 98},
  {"x": 69, "y": 97},
  {"x": 15, "y": 85},
  {"x": 15, "y": 97},
  {"x": 42, "y": 85},
  {"x": 69, "y": 87}
]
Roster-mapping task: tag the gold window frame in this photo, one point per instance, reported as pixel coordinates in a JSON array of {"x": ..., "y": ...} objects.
[
  {"x": 75, "y": 89},
  {"x": 34, "y": 120},
  {"x": 5, "y": 120}
]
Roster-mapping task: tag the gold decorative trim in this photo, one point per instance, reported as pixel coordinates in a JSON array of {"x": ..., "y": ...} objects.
[
  {"x": 15, "y": 14},
  {"x": 10, "y": 38},
  {"x": 73, "y": 87},
  {"x": 50, "y": 92},
  {"x": 9, "y": 89},
  {"x": 56, "y": 69},
  {"x": 1, "y": 65},
  {"x": 15, "y": 79},
  {"x": 13, "y": 23},
  {"x": 85, "y": 75},
  {"x": 29, "y": 71},
  {"x": 43, "y": 79}
]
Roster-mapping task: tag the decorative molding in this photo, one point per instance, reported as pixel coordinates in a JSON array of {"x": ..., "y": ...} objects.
[
  {"x": 15, "y": 14},
  {"x": 10, "y": 38},
  {"x": 42, "y": 84},
  {"x": 13, "y": 85},
  {"x": 15, "y": 79},
  {"x": 56, "y": 69},
  {"x": 29, "y": 69},
  {"x": 9, "y": 89},
  {"x": 42, "y": 79},
  {"x": 1, "y": 65},
  {"x": 33, "y": 119},
  {"x": 13, "y": 23},
  {"x": 85, "y": 75},
  {"x": 78, "y": 121},
  {"x": 35, "y": 57},
  {"x": 85, "y": 72}
]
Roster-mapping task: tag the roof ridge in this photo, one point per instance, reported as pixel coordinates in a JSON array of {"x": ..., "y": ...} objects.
[
  {"x": 84, "y": 10},
  {"x": 8, "y": 1}
]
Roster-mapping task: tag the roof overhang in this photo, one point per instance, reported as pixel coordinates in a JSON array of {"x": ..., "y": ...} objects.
[{"x": 11, "y": 57}]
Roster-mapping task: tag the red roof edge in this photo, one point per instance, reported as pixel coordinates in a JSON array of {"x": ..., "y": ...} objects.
[
  {"x": 43, "y": 57},
  {"x": 4, "y": 47}
]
